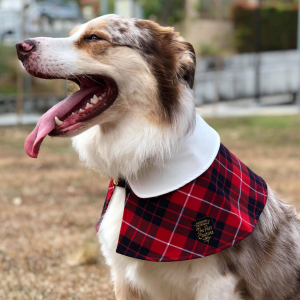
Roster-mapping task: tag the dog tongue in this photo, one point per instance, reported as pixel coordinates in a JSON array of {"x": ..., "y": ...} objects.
[{"x": 47, "y": 123}]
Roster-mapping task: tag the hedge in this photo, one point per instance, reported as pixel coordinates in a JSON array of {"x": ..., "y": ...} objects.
[{"x": 278, "y": 26}]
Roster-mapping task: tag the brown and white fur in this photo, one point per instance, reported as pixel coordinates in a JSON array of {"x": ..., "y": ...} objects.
[{"x": 154, "y": 69}]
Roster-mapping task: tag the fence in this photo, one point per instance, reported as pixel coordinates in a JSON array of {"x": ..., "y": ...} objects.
[
  {"x": 31, "y": 103},
  {"x": 236, "y": 79}
]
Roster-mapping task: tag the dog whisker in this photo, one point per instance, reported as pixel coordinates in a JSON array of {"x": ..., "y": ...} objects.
[{"x": 95, "y": 80}]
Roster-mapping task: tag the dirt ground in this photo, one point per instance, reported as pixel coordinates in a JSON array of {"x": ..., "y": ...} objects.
[{"x": 50, "y": 205}]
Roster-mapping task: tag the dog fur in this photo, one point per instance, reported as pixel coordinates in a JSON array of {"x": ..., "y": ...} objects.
[{"x": 154, "y": 69}]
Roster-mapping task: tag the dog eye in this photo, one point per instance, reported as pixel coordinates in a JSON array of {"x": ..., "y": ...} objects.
[{"x": 95, "y": 37}]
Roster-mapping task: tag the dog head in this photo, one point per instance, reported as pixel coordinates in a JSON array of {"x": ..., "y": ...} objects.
[{"x": 131, "y": 74}]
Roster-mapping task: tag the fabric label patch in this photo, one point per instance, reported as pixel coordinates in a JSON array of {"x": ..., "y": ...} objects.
[{"x": 204, "y": 229}]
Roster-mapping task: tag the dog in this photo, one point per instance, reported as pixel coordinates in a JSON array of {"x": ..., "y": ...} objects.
[{"x": 134, "y": 119}]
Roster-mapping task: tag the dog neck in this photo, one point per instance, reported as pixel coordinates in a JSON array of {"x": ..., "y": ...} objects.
[
  {"x": 194, "y": 155},
  {"x": 134, "y": 143}
]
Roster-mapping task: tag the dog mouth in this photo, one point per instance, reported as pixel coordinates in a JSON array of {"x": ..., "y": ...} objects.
[{"x": 69, "y": 117}]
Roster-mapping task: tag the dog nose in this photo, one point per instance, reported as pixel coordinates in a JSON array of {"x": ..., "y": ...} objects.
[{"x": 25, "y": 48}]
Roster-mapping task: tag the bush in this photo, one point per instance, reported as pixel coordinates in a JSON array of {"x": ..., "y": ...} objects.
[
  {"x": 278, "y": 26},
  {"x": 166, "y": 12},
  {"x": 8, "y": 69}
]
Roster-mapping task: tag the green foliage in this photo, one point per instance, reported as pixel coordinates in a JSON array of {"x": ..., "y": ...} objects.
[
  {"x": 111, "y": 6},
  {"x": 208, "y": 50},
  {"x": 167, "y": 12},
  {"x": 8, "y": 70},
  {"x": 6, "y": 54},
  {"x": 213, "y": 9},
  {"x": 278, "y": 26}
]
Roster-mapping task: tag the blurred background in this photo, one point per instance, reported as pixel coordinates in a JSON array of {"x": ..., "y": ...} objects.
[{"x": 247, "y": 87}]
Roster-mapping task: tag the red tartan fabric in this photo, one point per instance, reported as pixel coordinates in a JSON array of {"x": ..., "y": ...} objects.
[{"x": 229, "y": 197}]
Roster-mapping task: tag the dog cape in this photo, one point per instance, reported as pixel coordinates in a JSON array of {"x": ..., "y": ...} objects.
[{"x": 208, "y": 214}]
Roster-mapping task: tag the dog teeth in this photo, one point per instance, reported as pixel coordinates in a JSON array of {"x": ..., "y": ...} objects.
[
  {"x": 81, "y": 111},
  {"x": 102, "y": 96},
  {"x": 95, "y": 99},
  {"x": 73, "y": 114},
  {"x": 88, "y": 105},
  {"x": 58, "y": 122}
]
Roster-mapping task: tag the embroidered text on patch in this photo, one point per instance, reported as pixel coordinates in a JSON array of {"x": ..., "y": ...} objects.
[{"x": 204, "y": 229}]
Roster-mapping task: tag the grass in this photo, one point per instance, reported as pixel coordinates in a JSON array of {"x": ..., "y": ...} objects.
[{"x": 49, "y": 205}]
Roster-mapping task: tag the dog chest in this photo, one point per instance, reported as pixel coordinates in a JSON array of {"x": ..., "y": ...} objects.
[{"x": 111, "y": 223}]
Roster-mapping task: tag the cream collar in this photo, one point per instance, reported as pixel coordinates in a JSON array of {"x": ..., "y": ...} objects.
[{"x": 194, "y": 156}]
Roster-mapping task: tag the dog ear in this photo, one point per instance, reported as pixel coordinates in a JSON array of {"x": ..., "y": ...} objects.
[{"x": 186, "y": 63}]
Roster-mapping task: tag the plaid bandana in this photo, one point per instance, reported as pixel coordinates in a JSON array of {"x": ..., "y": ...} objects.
[{"x": 209, "y": 214}]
